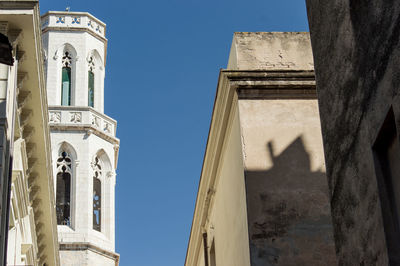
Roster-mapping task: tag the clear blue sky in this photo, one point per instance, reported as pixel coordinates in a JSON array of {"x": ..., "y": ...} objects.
[{"x": 162, "y": 69}]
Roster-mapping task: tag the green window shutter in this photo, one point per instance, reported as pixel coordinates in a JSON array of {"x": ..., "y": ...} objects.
[
  {"x": 66, "y": 86},
  {"x": 91, "y": 89}
]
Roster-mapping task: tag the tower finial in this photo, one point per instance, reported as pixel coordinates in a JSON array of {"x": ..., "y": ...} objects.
[{"x": 67, "y": 8}]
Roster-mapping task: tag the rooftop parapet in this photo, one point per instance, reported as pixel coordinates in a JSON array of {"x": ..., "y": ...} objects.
[
  {"x": 73, "y": 21},
  {"x": 271, "y": 51}
]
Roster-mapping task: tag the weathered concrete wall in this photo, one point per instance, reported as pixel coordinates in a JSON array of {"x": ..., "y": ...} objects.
[
  {"x": 356, "y": 53},
  {"x": 271, "y": 50},
  {"x": 287, "y": 193}
]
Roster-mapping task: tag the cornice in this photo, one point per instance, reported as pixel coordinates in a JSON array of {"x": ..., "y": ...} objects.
[
  {"x": 80, "y": 29},
  {"x": 88, "y": 128},
  {"x": 88, "y": 246},
  {"x": 18, "y": 4},
  {"x": 273, "y": 84}
]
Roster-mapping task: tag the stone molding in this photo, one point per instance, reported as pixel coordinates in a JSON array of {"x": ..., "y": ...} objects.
[
  {"x": 273, "y": 84},
  {"x": 76, "y": 246}
]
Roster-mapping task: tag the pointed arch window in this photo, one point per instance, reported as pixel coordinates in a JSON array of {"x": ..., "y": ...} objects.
[
  {"x": 97, "y": 194},
  {"x": 63, "y": 191},
  {"x": 91, "y": 82},
  {"x": 66, "y": 79}
]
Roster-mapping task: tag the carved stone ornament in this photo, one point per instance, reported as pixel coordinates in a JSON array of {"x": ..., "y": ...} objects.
[
  {"x": 55, "y": 117},
  {"x": 76, "y": 20},
  {"x": 60, "y": 19},
  {"x": 110, "y": 174},
  {"x": 96, "y": 121},
  {"x": 107, "y": 127},
  {"x": 64, "y": 163},
  {"x": 96, "y": 167},
  {"x": 67, "y": 59},
  {"x": 91, "y": 63},
  {"x": 75, "y": 117}
]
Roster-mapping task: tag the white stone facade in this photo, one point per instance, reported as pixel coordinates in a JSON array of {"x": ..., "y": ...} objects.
[
  {"x": 82, "y": 43},
  {"x": 88, "y": 137}
]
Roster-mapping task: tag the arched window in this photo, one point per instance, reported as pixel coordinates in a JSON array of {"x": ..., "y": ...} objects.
[
  {"x": 66, "y": 79},
  {"x": 63, "y": 191},
  {"x": 91, "y": 82},
  {"x": 97, "y": 194}
]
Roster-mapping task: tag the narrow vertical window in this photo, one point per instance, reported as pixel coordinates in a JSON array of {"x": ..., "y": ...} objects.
[
  {"x": 91, "y": 89},
  {"x": 97, "y": 195},
  {"x": 91, "y": 83},
  {"x": 386, "y": 152},
  {"x": 63, "y": 191},
  {"x": 66, "y": 80}
]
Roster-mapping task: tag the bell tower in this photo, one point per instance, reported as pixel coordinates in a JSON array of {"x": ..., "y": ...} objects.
[{"x": 83, "y": 138}]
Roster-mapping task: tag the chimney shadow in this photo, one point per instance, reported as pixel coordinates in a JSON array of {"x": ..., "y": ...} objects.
[{"x": 289, "y": 217}]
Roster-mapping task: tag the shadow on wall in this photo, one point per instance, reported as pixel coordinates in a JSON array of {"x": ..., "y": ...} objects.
[{"x": 288, "y": 211}]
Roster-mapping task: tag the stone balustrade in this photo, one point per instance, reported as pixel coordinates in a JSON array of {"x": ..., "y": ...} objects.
[
  {"x": 73, "y": 20},
  {"x": 82, "y": 116}
]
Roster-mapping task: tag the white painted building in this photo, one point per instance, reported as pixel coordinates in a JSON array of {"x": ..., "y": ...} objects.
[{"x": 84, "y": 144}]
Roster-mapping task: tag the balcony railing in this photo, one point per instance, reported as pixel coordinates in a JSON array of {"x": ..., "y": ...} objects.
[
  {"x": 72, "y": 20},
  {"x": 82, "y": 116}
]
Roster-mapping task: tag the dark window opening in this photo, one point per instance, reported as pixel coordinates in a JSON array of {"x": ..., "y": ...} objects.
[
  {"x": 386, "y": 151},
  {"x": 97, "y": 196},
  {"x": 63, "y": 190},
  {"x": 91, "y": 89}
]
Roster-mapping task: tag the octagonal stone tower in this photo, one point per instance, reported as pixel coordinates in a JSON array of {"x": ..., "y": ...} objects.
[{"x": 83, "y": 138}]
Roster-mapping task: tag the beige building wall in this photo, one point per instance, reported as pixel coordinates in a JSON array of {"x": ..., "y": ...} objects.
[
  {"x": 263, "y": 193},
  {"x": 271, "y": 51},
  {"x": 227, "y": 225},
  {"x": 287, "y": 193}
]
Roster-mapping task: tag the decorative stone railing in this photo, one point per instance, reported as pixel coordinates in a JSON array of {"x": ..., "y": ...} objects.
[
  {"x": 73, "y": 20},
  {"x": 82, "y": 116}
]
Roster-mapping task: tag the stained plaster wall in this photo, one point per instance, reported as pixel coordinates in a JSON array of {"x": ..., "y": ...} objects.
[
  {"x": 289, "y": 221},
  {"x": 287, "y": 194},
  {"x": 270, "y": 50},
  {"x": 356, "y": 52}
]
